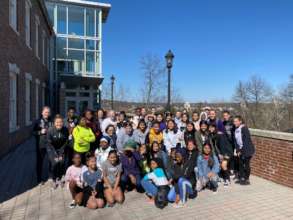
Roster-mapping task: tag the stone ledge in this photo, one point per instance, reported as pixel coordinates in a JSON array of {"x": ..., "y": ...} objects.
[{"x": 272, "y": 134}]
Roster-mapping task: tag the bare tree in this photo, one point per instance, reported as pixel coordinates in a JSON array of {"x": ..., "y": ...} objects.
[
  {"x": 252, "y": 96},
  {"x": 153, "y": 79},
  {"x": 287, "y": 98}
]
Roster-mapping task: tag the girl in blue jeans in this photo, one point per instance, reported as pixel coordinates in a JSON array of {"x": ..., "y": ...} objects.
[
  {"x": 182, "y": 180},
  {"x": 155, "y": 179}
]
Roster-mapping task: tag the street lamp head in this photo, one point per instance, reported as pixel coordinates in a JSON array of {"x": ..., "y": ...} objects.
[
  {"x": 112, "y": 78},
  {"x": 169, "y": 59}
]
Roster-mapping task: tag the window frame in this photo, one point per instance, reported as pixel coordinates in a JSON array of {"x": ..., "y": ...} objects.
[
  {"x": 28, "y": 95},
  {"x": 27, "y": 24},
  {"x": 13, "y": 110},
  {"x": 13, "y": 17}
]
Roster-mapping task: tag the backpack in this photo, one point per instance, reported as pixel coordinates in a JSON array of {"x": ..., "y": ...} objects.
[{"x": 161, "y": 199}]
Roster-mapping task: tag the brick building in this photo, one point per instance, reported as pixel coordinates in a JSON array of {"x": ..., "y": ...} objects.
[{"x": 26, "y": 45}]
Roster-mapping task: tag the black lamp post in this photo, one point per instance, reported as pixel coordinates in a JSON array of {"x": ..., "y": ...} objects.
[
  {"x": 169, "y": 63},
  {"x": 112, "y": 91}
]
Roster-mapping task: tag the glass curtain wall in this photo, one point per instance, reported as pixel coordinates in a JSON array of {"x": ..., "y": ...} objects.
[{"x": 77, "y": 38}]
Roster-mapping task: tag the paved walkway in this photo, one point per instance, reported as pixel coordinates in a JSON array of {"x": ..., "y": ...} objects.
[{"x": 261, "y": 200}]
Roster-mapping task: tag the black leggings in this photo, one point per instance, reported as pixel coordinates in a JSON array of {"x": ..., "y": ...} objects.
[
  {"x": 57, "y": 167},
  {"x": 244, "y": 167}
]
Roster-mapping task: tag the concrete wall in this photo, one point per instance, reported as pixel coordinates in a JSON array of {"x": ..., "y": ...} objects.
[{"x": 274, "y": 156}]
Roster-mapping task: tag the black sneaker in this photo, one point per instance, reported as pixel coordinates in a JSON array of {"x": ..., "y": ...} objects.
[{"x": 245, "y": 183}]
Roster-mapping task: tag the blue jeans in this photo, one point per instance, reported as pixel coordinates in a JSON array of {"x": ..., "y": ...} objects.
[
  {"x": 125, "y": 181},
  {"x": 184, "y": 186},
  {"x": 150, "y": 188}
]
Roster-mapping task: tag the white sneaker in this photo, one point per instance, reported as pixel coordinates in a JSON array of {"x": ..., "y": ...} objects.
[
  {"x": 72, "y": 205},
  {"x": 179, "y": 205}
]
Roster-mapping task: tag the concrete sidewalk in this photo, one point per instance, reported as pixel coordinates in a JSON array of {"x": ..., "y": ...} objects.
[{"x": 261, "y": 200}]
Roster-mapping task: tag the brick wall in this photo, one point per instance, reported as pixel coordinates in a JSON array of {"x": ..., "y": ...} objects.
[
  {"x": 13, "y": 49},
  {"x": 274, "y": 156}
]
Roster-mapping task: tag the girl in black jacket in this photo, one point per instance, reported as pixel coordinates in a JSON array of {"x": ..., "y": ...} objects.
[
  {"x": 57, "y": 141},
  {"x": 184, "y": 180},
  {"x": 224, "y": 151},
  {"x": 244, "y": 148}
]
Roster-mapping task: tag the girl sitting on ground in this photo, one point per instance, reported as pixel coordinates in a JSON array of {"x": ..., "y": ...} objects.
[
  {"x": 155, "y": 179},
  {"x": 184, "y": 180},
  {"x": 157, "y": 152},
  {"x": 112, "y": 170},
  {"x": 208, "y": 169},
  {"x": 93, "y": 192},
  {"x": 130, "y": 158},
  {"x": 73, "y": 178}
]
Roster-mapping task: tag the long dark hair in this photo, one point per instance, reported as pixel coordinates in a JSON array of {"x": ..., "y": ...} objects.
[
  {"x": 203, "y": 122},
  {"x": 142, "y": 121},
  {"x": 211, "y": 161},
  {"x": 175, "y": 129}
]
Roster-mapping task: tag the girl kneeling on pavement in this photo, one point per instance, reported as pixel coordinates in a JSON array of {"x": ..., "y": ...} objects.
[
  {"x": 93, "y": 192},
  {"x": 184, "y": 180},
  {"x": 112, "y": 170}
]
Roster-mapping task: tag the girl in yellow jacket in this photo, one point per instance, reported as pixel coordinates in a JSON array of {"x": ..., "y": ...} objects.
[{"x": 82, "y": 136}]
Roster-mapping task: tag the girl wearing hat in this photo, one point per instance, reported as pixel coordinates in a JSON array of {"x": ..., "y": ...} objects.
[
  {"x": 102, "y": 152},
  {"x": 131, "y": 172}
]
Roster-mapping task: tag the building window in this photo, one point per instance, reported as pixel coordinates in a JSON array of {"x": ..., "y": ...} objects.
[
  {"x": 13, "y": 14},
  {"x": 28, "y": 85},
  {"x": 48, "y": 53},
  {"x": 13, "y": 77},
  {"x": 75, "y": 20},
  {"x": 43, "y": 94},
  {"x": 37, "y": 23},
  {"x": 37, "y": 98},
  {"x": 28, "y": 6},
  {"x": 61, "y": 19},
  {"x": 43, "y": 47}
]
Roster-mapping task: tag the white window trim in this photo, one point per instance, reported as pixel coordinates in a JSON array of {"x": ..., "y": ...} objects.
[
  {"x": 13, "y": 25},
  {"x": 28, "y": 122},
  {"x": 13, "y": 71},
  {"x": 43, "y": 93},
  {"x": 43, "y": 46},
  {"x": 37, "y": 30},
  {"x": 37, "y": 94},
  {"x": 28, "y": 6}
]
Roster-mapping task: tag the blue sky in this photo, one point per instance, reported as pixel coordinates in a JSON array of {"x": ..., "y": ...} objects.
[{"x": 216, "y": 43}]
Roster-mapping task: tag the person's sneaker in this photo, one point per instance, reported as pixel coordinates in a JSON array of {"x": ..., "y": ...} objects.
[
  {"x": 245, "y": 182},
  {"x": 226, "y": 183},
  {"x": 72, "y": 205},
  {"x": 179, "y": 205},
  {"x": 54, "y": 184}
]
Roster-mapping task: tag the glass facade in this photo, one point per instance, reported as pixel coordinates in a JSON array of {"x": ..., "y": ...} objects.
[{"x": 78, "y": 41}]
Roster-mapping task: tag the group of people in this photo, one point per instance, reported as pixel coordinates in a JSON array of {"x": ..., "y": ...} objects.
[{"x": 102, "y": 155}]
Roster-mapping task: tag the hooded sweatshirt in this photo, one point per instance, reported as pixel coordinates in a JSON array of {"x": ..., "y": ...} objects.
[{"x": 83, "y": 136}]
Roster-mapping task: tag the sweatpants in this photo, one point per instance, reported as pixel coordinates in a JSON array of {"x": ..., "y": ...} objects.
[
  {"x": 185, "y": 188},
  {"x": 57, "y": 167},
  {"x": 244, "y": 167},
  {"x": 41, "y": 157}
]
